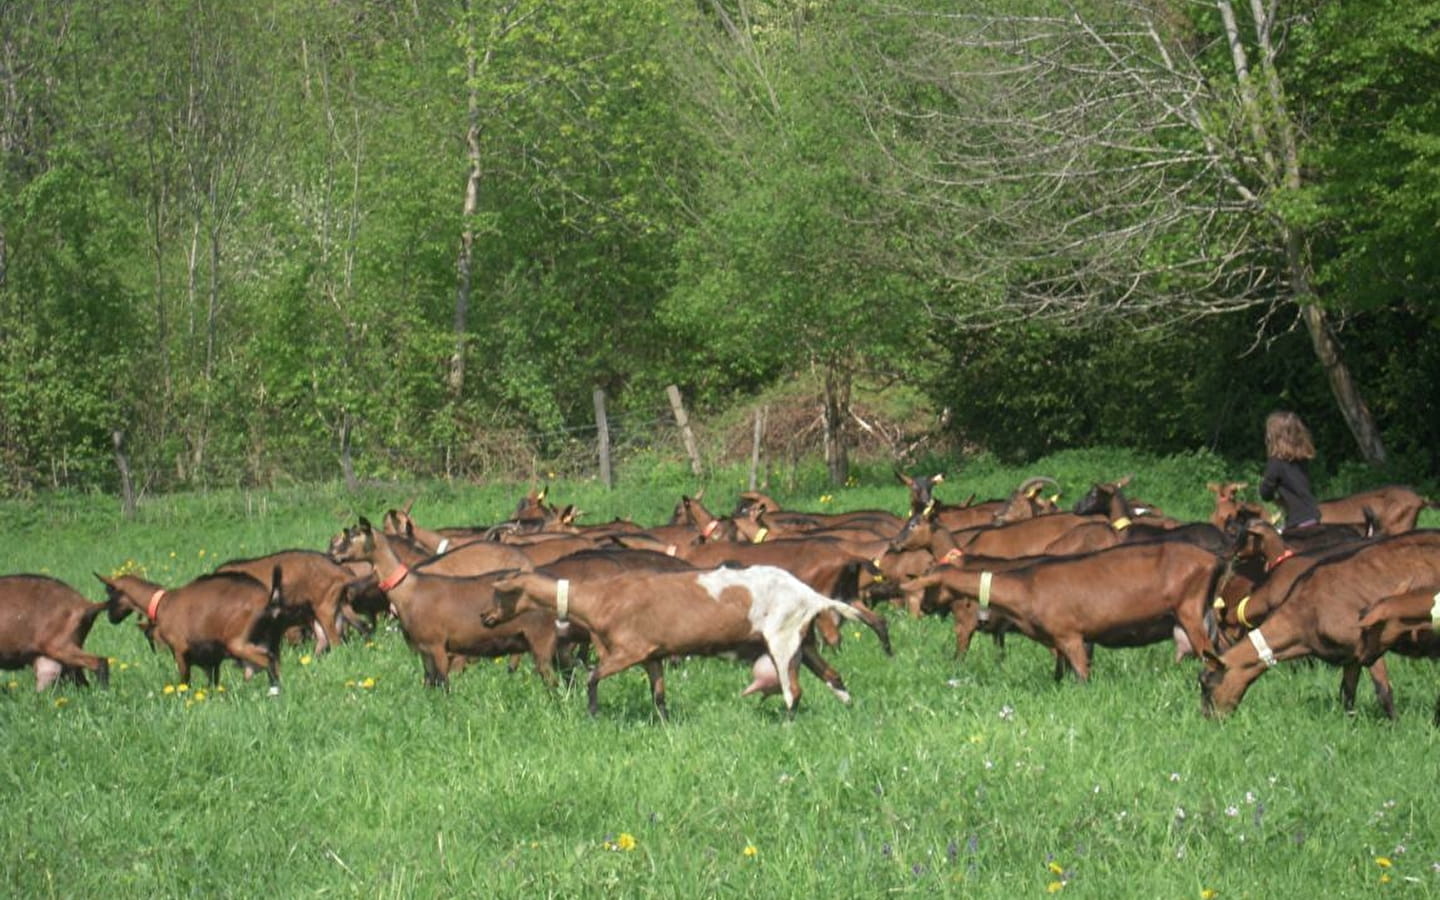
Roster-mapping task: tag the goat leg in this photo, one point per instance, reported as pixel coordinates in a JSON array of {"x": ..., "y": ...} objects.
[
  {"x": 656, "y": 670},
  {"x": 1380, "y": 677}
]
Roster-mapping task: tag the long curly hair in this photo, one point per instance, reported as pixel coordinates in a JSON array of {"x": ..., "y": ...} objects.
[{"x": 1286, "y": 437}]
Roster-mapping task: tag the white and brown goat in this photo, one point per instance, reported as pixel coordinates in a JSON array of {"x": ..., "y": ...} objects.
[{"x": 645, "y": 618}]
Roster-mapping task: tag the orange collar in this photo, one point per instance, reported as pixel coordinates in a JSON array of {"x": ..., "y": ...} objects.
[
  {"x": 395, "y": 578},
  {"x": 709, "y": 528},
  {"x": 1289, "y": 552},
  {"x": 953, "y": 554},
  {"x": 154, "y": 604}
]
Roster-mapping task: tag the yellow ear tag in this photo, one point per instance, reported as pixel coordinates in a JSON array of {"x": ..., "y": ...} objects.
[{"x": 760, "y": 535}]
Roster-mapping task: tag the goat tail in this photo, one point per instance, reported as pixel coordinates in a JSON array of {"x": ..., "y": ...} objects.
[{"x": 859, "y": 612}]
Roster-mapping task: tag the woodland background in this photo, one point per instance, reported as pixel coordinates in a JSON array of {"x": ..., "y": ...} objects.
[{"x": 258, "y": 241}]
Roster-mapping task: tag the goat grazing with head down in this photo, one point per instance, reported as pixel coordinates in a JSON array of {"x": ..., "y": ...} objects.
[
  {"x": 45, "y": 624},
  {"x": 217, "y": 616},
  {"x": 644, "y": 618}
]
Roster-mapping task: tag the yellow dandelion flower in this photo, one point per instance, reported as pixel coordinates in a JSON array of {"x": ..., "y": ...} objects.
[
  {"x": 181, "y": 688},
  {"x": 305, "y": 660},
  {"x": 202, "y": 551},
  {"x": 61, "y": 701},
  {"x": 1385, "y": 879},
  {"x": 12, "y": 685},
  {"x": 1054, "y": 887},
  {"x": 751, "y": 850},
  {"x": 350, "y": 683},
  {"x": 219, "y": 688},
  {"x": 369, "y": 645},
  {"x": 199, "y": 696},
  {"x": 168, "y": 689},
  {"x": 1055, "y": 867},
  {"x": 368, "y": 683},
  {"x": 625, "y": 842},
  {"x": 1383, "y": 862},
  {"x": 110, "y": 660},
  {"x": 1208, "y": 894},
  {"x": 124, "y": 667}
]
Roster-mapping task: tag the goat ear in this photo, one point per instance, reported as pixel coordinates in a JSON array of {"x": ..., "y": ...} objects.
[
  {"x": 103, "y": 580},
  {"x": 365, "y": 526}
]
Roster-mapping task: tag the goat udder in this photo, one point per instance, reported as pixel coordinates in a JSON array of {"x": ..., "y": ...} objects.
[
  {"x": 765, "y": 680},
  {"x": 47, "y": 671}
]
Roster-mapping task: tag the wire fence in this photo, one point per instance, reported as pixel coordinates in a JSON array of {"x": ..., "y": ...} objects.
[{"x": 647, "y": 439}]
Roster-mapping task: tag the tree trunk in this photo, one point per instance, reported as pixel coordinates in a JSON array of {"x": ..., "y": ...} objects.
[
  {"x": 465, "y": 263},
  {"x": 1342, "y": 386},
  {"x": 1274, "y": 133}
]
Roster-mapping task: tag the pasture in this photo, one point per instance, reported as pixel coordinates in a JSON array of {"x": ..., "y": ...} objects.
[{"x": 943, "y": 778}]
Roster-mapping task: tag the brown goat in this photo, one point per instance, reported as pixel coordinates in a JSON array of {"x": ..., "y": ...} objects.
[
  {"x": 217, "y": 616},
  {"x": 1126, "y": 595},
  {"x": 1229, "y": 506},
  {"x": 648, "y": 617},
  {"x": 1396, "y": 508},
  {"x": 45, "y": 625},
  {"x": 440, "y": 615},
  {"x": 313, "y": 581},
  {"x": 1321, "y": 617},
  {"x": 1412, "y": 617}
]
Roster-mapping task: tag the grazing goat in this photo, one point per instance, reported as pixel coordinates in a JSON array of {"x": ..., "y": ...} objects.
[
  {"x": 645, "y": 618},
  {"x": 224, "y": 614},
  {"x": 44, "y": 622},
  {"x": 1321, "y": 617}
]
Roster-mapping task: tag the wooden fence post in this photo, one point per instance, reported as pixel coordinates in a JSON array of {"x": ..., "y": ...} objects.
[
  {"x": 678, "y": 408},
  {"x": 755, "y": 445},
  {"x": 602, "y": 426},
  {"x": 127, "y": 486}
]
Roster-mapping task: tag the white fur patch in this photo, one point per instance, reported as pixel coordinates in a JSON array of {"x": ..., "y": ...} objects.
[{"x": 780, "y": 607}]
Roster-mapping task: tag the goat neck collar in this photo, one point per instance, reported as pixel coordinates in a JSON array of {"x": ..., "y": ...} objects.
[
  {"x": 1286, "y": 554},
  {"x": 562, "y": 601},
  {"x": 395, "y": 578},
  {"x": 1435, "y": 612},
  {"x": 154, "y": 605}
]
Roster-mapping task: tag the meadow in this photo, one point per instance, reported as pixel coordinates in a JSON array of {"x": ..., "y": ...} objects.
[{"x": 982, "y": 777}]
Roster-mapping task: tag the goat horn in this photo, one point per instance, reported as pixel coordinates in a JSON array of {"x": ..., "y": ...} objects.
[{"x": 1033, "y": 484}]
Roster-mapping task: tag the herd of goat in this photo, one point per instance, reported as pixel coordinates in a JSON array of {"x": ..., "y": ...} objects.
[{"x": 770, "y": 587}]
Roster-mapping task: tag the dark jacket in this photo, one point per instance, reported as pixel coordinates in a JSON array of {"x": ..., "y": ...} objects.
[{"x": 1288, "y": 484}]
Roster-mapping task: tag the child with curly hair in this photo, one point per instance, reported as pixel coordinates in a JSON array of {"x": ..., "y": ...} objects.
[{"x": 1289, "y": 449}]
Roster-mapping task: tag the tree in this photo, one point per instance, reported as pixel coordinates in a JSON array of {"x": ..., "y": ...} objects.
[
  {"x": 779, "y": 272},
  {"x": 1110, "y": 159}
]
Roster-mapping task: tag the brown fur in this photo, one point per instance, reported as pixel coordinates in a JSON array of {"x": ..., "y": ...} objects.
[
  {"x": 46, "y": 619},
  {"x": 217, "y": 616},
  {"x": 1321, "y": 617}
]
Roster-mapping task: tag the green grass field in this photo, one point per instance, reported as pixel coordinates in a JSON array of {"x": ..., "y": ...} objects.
[{"x": 979, "y": 778}]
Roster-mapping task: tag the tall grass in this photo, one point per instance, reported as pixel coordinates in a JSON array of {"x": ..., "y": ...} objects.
[{"x": 976, "y": 778}]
